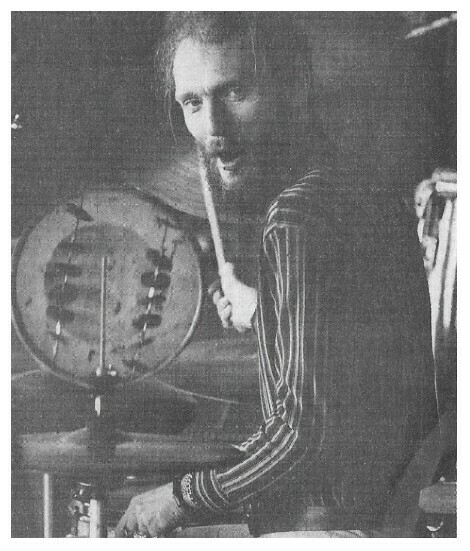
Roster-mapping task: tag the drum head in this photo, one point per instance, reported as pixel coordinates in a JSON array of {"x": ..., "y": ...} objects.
[{"x": 153, "y": 286}]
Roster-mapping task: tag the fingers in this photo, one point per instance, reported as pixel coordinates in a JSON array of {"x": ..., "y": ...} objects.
[
  {"x": 142, "y": 522},
  {"x": 220, "y": 301},
  {"x": 225, "y": 317},
  {"x": 216, "y": 296},
  {"x": 214, "y": 287},
  {"x": 126, "y": 526},
  {"x": 224, "y": 308},
  {"x": 129, "y": 523},
  {"x": 132, "y": 526},
  {"x": 152, "y": 514},
  {"x": 119, "y": 530}
]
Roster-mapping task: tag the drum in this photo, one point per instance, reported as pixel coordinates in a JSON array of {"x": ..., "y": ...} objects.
[{"x": 153, "y": 289}]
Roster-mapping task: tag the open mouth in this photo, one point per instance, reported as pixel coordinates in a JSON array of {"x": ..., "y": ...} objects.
[{"x": 230, "y": 159}]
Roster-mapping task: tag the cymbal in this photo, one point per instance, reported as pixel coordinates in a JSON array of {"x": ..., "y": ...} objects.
[
  {"x": 174, "y": 179},
  {"x": 131, "y": 453},
  {"x": 222, "y": 368},
  {"x": 41, "y": 402}
]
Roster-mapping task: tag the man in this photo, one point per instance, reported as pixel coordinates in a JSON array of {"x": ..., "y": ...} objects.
[{"x": 340, "y": 312}]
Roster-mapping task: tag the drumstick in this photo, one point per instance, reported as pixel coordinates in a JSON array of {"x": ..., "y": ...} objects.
[{"x": 211, "y": 214}]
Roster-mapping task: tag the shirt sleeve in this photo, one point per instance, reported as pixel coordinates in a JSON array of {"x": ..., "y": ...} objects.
[{"x": 288, "y": 392}]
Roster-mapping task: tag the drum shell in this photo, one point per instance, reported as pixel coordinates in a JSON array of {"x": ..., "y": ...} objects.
[{"x": 66, "y": 247}]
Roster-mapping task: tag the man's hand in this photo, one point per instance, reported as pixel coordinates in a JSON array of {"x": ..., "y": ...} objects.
[
  {"x": 153, "y": 514},
  {"x": 224, "y": 308},
  {"x": 238, "y": 303}
]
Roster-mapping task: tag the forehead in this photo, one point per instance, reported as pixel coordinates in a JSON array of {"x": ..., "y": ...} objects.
[{"x": 200, "y": 67}]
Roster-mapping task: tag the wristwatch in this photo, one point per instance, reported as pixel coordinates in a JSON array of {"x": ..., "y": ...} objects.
[{"x": 183, "y": 494}]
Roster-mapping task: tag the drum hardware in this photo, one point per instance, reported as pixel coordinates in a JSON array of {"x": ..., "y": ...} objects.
[
  {"x": 89, "y": 512},
  {"x": 79, "y": 507},
  {"x": 154, "y": 286},
  {"x": 88, "y": 505},
  {"x": 155, "y": 281},
  {"x": 47, "y": 493},
  {"x": 144, "y": 321},
  {"x": 99, "y": 457},
  {"x": 159, "y": 259},
  {"x": 55, "y": 292},
  {"x": 88, "y": 518},
  {"x": 101, "y": 437},
  {"x": 129, "y": 227}
]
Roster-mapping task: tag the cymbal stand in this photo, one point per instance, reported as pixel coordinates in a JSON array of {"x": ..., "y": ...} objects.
[
  {"x": 99, "y": 442},
  {"x": 47, "y": 504},
  {"x": 97, "y": 509}
]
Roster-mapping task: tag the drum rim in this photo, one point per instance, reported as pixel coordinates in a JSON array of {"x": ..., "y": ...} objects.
[{"x": 38, "y": 355}]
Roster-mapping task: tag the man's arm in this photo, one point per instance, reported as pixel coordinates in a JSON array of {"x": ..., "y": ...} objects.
[{"x": 287, "y": 376}]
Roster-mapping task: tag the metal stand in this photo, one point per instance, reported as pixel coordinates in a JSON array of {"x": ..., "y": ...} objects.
[
  {"x": 99, "y": 433},
  {"x": 47, "y": 500},
  {"x": 98, "y": 524},
  {"x": 97, "y": 511}
]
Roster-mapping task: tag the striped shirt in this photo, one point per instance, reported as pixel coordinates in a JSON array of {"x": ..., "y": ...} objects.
[{"x": 345, "y": 361}]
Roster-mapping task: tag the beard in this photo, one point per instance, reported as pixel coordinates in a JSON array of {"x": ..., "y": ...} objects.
[{"x": 250, "y": 185}]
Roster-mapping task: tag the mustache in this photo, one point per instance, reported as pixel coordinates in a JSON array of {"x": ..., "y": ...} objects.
[{"x": 217, "y": 145}]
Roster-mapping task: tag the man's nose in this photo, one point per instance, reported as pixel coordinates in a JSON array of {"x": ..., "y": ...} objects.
[{"x": 216, "y": 118}]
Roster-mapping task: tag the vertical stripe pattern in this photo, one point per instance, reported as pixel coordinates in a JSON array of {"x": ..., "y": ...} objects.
[{"x": 286, "y": 378}]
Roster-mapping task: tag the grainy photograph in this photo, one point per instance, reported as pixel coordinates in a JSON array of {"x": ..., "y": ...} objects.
[{"x": 233, "y": 274}]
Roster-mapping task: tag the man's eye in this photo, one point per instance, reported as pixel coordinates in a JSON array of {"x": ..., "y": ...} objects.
[
  {"x": 236, "y": 94},
  {"x": 192, "y": 103}
]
